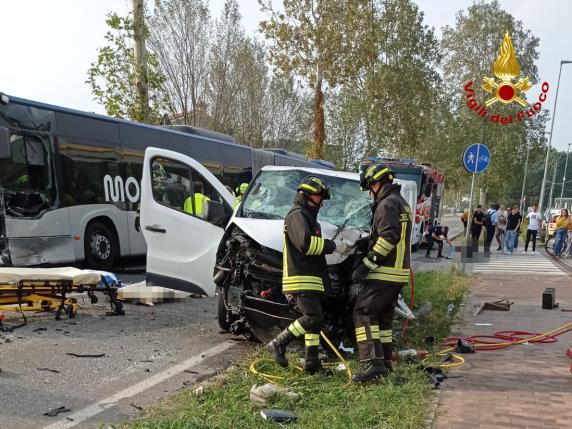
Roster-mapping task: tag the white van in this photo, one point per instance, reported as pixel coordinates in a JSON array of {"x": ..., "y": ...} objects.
[{"x": 182, "y": 246}]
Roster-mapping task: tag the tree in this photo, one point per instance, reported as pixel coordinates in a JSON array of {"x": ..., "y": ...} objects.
[
  {"x": 470, "y": 48},
  {"x": 317, "y": 39},
  {"x": 179, "y": 37},
  {"x": 112, "y": 76},
  {"x": 394, "y": 106}
]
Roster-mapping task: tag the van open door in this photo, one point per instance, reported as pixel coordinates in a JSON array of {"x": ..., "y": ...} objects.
[{"x": 184, "y": 210}]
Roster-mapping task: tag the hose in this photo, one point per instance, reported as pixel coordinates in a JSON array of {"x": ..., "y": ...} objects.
[
  {"x": 274, "y": 378},
  {"x": 506, "y": 339}
]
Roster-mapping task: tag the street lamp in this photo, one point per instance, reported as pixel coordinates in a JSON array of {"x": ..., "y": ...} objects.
[
  {"x": 564, "y": 177},
  {"x": 540, "y": 203}
]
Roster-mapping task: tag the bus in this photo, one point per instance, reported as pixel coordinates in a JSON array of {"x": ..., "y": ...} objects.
[
  {"x": 70, "y": 181},
  {"x": 430, "y": 188}
]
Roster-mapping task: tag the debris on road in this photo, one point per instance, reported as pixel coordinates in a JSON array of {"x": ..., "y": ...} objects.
[
  {"x": 136, "y": 406},
  {"x": 56, "y": 411},
  {"x": 149, "y": 295},
  {"x": 86, "y": 355},
  {"x": 48, "y": 369},
  {"x": 261, "y": 394}
]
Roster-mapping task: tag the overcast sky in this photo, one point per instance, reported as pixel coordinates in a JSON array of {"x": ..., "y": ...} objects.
[{"x": 47, "y": 46}]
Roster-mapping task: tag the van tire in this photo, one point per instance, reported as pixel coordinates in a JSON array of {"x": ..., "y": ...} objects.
[
  {"x": 222, "y": 314},
  {"x": 101, "y": 246}
]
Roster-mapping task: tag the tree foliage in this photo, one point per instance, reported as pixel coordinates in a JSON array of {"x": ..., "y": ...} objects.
[
  {"x": 318, "y": 40},
  {"x": 112, "y": 76},
  {"x": 470, "y": 48}
]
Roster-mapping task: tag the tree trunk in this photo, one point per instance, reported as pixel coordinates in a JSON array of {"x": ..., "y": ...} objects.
[
  {"x": 317, "y": 149},
  {"x": 483, "y": 197},
  {"x": 141, "y": 79}
]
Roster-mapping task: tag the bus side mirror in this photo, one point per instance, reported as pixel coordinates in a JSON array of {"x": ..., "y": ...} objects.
[{"x": 5, "y": 148}]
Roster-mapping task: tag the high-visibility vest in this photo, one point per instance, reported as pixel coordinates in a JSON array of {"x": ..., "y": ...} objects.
[{"x": 200, "y": 199}]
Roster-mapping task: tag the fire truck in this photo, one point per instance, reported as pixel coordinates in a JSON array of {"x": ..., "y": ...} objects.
[{"x": 430, "y": 188}]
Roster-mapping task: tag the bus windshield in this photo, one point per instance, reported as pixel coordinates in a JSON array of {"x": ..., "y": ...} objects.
[
  {"x": 272, "y": 194},
  {"x": 26, "y": 178}
]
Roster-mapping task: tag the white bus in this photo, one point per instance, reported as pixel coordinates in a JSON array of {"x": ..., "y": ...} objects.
[{"x": 70, "y": 180}]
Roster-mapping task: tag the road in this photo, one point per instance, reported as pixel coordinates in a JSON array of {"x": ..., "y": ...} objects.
[{"x": 146, "y": 354}]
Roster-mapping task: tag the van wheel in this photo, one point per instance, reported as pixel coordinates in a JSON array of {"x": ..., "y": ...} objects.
[
  {"x": 222, "y": 313},
  {"x": 101, "y": 247}
]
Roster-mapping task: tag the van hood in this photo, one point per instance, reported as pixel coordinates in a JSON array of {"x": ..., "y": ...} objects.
[{"x": 268, "y": 233}]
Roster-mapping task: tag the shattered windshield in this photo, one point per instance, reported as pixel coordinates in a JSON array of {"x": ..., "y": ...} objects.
[
  {"x": 26, "y": 177},
  {"x": 272, "y": 194}
]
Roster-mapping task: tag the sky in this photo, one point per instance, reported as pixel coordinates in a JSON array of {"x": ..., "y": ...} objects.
[{"x": 46, "y": 47}]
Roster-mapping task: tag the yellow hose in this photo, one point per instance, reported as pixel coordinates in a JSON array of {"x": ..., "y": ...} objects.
[{"x": 273, "y": 378}]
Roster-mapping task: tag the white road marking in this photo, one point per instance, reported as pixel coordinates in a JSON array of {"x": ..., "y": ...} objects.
[
  {"x": 518, "y": 264},
  {"x": 100, "y": 406}
]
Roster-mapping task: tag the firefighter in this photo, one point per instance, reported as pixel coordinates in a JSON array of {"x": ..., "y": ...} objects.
[
  {"x": 305, "y": 273},
  {"x": 382, "y": 273}
]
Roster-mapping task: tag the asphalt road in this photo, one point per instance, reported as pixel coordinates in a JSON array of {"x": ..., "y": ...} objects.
[{"x": 146, "y": 353}]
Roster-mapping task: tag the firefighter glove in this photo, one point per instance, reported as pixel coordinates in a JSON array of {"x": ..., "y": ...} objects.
[
  {"x": 343, "y": 247},
  {"x": 360, "y": 273}
]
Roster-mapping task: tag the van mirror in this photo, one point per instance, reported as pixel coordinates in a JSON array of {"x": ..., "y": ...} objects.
[
  {"x": 215, "y": 213},
  {"x": 5, "y": 148}
]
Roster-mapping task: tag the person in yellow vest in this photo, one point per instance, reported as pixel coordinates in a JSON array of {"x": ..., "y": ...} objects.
[
  {"x": 240, "y": 191},
  {"x": 197, "y": 199}
]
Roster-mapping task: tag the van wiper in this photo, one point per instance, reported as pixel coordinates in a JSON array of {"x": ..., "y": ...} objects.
[
  {"x": 260, "y": 215},
  {"x": 347, "y": 219}
]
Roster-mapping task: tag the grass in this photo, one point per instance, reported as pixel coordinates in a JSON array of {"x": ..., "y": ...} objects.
[{"x": 400, "y": 401}]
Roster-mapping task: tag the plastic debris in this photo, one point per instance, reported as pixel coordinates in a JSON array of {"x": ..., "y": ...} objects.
[
  {"x": 261, "y": 394},
  {"x": 282, "y": 416}
]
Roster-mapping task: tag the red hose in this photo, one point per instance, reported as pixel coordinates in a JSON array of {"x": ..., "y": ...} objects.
[{"x": 505, "y": 339}]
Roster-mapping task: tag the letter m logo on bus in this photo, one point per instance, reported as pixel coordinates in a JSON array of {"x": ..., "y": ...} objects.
[{"x": 116, "y": 189}]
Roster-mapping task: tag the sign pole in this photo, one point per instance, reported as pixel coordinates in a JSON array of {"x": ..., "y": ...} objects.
[{"x": 470, "y": 219}]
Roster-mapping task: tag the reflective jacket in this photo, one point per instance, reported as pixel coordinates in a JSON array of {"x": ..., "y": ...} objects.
[
  {"x": 200, "y": 199},
  {"x": 389, "y": 255},
  {"x": 304, "y": 261}
]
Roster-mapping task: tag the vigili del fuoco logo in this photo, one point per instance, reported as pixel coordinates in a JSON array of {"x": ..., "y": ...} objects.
[{"x": 507, "y": 88}]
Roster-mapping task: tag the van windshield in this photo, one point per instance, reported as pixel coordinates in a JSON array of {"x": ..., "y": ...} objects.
[{"x": 273, "y": 192}]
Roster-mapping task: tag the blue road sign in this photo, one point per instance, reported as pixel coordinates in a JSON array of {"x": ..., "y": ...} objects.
[{"x": 477, "y": 158}]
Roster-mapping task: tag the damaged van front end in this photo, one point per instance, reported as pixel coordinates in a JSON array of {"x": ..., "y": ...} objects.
[{"x": 248, "y": 271}]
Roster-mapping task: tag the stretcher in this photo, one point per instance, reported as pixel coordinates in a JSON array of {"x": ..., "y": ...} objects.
[{"x": 47, "y": 289}]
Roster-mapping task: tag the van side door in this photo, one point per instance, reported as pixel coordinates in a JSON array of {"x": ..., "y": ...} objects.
[{"x": 184, "y": 210}]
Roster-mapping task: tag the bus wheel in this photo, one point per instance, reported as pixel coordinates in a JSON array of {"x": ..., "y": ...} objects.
[{"x": 101, "y": 247}]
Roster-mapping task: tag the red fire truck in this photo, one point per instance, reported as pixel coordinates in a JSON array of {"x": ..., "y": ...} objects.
[{"x": 430, "y": 188}]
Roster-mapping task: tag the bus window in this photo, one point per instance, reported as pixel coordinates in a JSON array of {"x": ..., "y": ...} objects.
[{"x": 27, "y": 177}]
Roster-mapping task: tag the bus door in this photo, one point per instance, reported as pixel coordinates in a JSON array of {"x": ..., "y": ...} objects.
[{"x": 184, "y": 210}]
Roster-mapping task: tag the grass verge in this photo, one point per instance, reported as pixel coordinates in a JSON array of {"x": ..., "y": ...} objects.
[{"x": 400, "y": 401}]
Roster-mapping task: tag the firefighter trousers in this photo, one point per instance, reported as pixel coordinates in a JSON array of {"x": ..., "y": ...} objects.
[
  {"x": 373, "y": 319},
  {"x": 312, "y": 320}
]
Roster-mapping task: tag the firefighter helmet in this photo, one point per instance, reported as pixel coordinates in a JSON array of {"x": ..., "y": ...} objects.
[
  {"x": 313, "y": 185},
  {"x": 375, "y": 173}
]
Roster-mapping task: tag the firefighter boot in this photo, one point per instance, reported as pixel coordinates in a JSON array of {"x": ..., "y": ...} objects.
[
  {"x": 277, "y": 347},
  {"x": 387, "y": 352},
  {"x": 312, "y": 363},
  {"x": 374, "y": 370}
]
